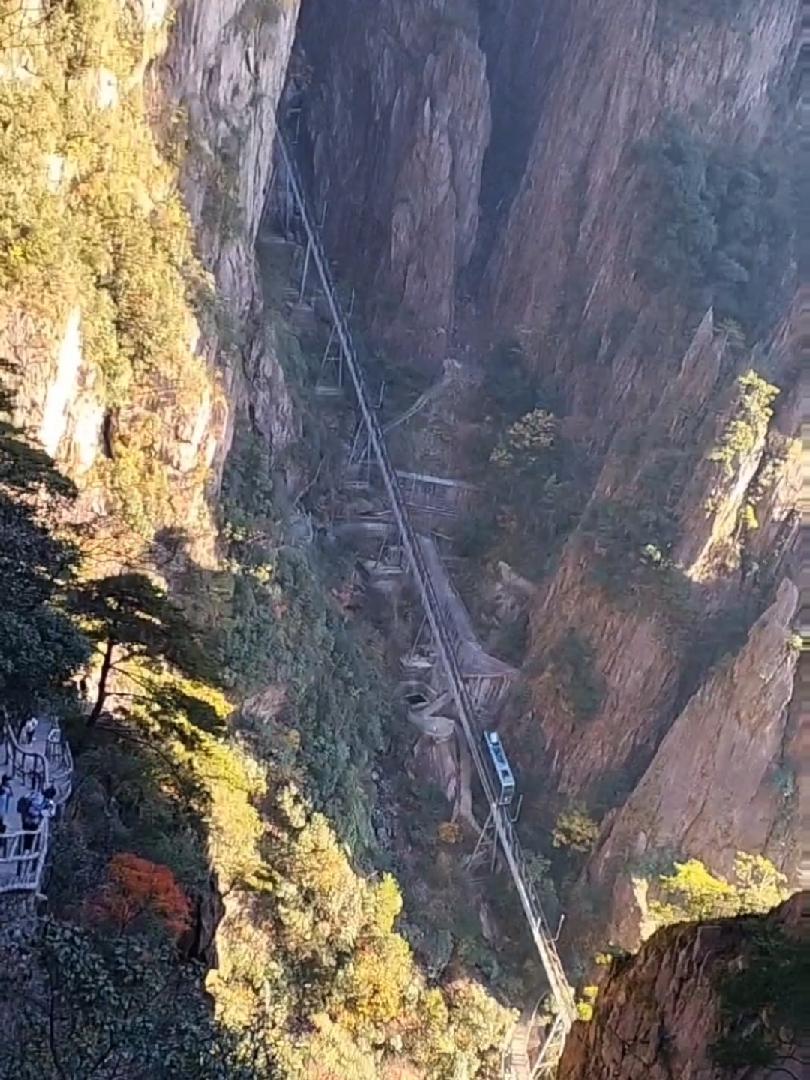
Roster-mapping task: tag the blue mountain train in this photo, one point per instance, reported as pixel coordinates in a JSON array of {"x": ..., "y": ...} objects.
[{"x": 504, "y": 779}]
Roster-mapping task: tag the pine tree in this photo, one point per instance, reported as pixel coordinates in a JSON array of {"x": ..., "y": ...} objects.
[{"x": 127, "y": 616}]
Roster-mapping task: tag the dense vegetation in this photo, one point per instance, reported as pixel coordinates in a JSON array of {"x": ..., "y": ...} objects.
[
  {"x": 692, "y": 893},
  {"x": 311, "y": 969},
  {"x": 92, "y": 1001},
  {"x": 91, "y": 219},
  {"x": 533, "y": 478},
  {"x": 273, "y": 623},
  {"x": 721, "y": 228}
]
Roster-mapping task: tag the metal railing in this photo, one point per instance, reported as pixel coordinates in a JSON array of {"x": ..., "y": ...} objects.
[
  {"x": 28, "y": 766},
  {"x": 22, "y": 859},
  {"x": 60, "y": 764},
  {"x": 561, "y": 990},
  {"x": 23, "y": 852}
]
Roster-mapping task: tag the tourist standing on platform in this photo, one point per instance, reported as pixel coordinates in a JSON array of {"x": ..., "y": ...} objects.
[
  {"x": 6, "y": 797},
  {"x": 29, "y": 730},
  {"x": 30, "y": 809}
]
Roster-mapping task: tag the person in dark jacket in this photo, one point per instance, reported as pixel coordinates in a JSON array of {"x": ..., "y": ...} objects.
[
  {"x": 31, "y": 809},
  {"x": 6, "y": 797}
]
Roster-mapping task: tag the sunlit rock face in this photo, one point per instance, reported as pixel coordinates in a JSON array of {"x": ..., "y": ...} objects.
[
  {"x": 225, "y": 67},
  {"x": 712, "y": 787},
  {"x": 659, "y": 1014},
  {"x": 222, "y": 67}
]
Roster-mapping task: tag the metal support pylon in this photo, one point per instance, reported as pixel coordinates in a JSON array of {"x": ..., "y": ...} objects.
[
  {"x": 361, "y": 449},
  {"x": 545, "y": 1066},
  {"x": 305, "y": 272},
  {"x": 486, "y": 846},
  {"x": 420, "y": 633},
  {"x": 330, "y": 376},
  {"x": 487, "y": 842}
]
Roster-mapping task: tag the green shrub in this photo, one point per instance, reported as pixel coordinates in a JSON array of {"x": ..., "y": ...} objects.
[
  {"x": 693, "y": 894},
  {"x": 721, "y": 227},
  {"x": 522, "y": 449},
  {"x": 574, "y": 662},
  {"x": 575, "y": 830},
  {"x": 748, "y": 425},
  {"x": 633, "y": 548},
  {"x": 281, "y": 628}
]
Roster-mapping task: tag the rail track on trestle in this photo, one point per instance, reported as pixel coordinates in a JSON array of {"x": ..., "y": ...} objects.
[{"x": 443, "y": 641}]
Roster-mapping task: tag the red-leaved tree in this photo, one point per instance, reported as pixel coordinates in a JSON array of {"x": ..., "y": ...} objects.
[{"x": 136, "y": 887}]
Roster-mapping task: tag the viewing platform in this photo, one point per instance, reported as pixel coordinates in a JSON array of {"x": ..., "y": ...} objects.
[{"x": 36, "y": 766}]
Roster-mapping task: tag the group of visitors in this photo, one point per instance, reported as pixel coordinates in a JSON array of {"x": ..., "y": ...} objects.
[{"x": 33, "y": 807}]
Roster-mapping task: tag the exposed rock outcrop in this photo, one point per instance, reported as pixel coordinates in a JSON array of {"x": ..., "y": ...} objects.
[
  {"x": 660, "y": 1014},
  {"x": 711, "y": 789},
  {"x": 398, "y": 137},
  {"x": 225, "y": 68}
]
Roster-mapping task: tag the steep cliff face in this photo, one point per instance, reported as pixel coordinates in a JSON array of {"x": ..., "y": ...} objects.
[
  {"x": 397, "y": 138},
  {"x": 134, "y": 402},
  {"x": 628, "y": 165},
  {"x": 226, "y": 68},
  {"x": 668, "y": 402},
  {"x": 664, "y": 1013},
  {"x": 713, "y": 786},
  {"x": 581, "y": 199},
  {"x": 654, "y": 633}
]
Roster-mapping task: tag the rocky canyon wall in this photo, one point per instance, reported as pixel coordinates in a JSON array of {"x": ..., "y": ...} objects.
[
  {"x": 194, "y": 89},
  {"x": 225, "y": 68},
  {"x": 663, "y": 402},
  {"x": 664, "y": 1013},
  {"x": 397, "y": 137},
  {"x": 501, "y": 158}
]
